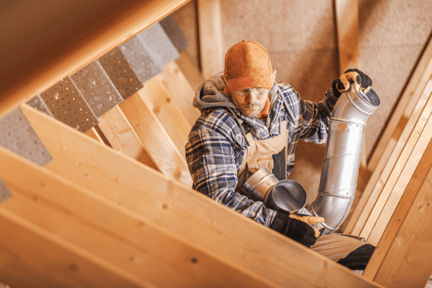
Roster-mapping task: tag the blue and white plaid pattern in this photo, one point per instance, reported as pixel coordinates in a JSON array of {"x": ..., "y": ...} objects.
[{"x": 216, "y": 146}]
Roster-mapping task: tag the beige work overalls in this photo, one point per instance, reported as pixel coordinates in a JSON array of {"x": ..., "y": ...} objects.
[{"x": 272, "y": 154}]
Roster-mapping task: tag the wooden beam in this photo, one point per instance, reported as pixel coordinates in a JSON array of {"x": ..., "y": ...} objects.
[
  {"x": 153, "y": 136},
  {"x": 153, "y": 256},
  {"x": 32, "y": 257},
  {"x": 210, "y": 37},
  {"x": 36, "y": 61},
  {"x": 169, "y": 115},
  {"x": 399, "y": 178},
  {"x": 190, "y": 70},
  {"x": 405, "y": 107},
  {"x": 403, "y": 257},
  {"x": 390, "y": 157},
  {"x": 180, "y": 90},
  {"x": 347, "y": 22},
  {"x": 185, "y": 212},
  {"x": 122, "y": 137},
  {"x": 92, "y": 133},
  {"x": 418, "y": 181}
]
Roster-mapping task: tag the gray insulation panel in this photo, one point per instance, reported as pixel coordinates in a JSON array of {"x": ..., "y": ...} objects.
[
  {"x": 155, "y": 38},
  {"x": 96, "y": 88},
  {"x": 141, "y": 59},
  {"x": 37, "y": 103},
  {"x": 120, "y": 72},
  {"x": 68, "y": 106},
  {"x": 174, "y": 33},
  {"x": 4, "y": 191},
  {"x": 18, "y": 136}
]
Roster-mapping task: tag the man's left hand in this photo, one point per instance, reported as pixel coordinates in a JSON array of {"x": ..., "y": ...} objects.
[{"x": 361, "y": 82}]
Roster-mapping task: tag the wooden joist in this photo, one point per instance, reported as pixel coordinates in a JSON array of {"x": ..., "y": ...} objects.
[
  {"x": 382, "y": 173},
  {"x": 403, "y": 110},
  {"x": 122, "y": 137},
  {"x": 347, "y": 21},
  {"x": 169, "y": 115},
  {"x": 34, "y": 64},
  {"x": 32, "y": 257},
  {"x": 404, "y": 250},
  {"x": 180, "y": 90},
  {"x": 159, "y": 145},
  {"x": 184, "y": 212},
  {"x": 190, "y": 70},
  {"x": 147, "y": 254},
  {"x": 210, "y": 37}
]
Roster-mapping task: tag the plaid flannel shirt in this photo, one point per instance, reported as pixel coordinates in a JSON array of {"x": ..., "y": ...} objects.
[{"x": 216, "y": 146}]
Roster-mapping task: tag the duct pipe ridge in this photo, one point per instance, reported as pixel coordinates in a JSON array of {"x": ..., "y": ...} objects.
[{"x": 342, "y": 157}]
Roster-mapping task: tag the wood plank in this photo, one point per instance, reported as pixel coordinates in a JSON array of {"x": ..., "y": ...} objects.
[
  {"x": 423, "y": 171},
  {"x": 347, "y": 21},
  {"x": 185, "y": 212},
  {"x": 159, "y": 145},
  {"x": 134, "y": 245},
  {"x": 399, "y": 178},
  {"x": 169, "y": 115},
  {"x": 36, "y": 65},
  {"x": 407, "y": 261},
  {"x": 92, "y": 133},
  {"x": 382, "y": 172},
  {"x": 210, "y": 37},
  {"x": 180, "y": 90},
  {"x": 32, "y": 257},
  {"x": 405, "y": 107},
  {"x": 189, "y": 70},
  {"x": 122, "y": 137}
]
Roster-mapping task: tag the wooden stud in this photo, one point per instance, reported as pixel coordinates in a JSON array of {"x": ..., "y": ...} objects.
[
  {"x": 162, "y": 149},
  {"x": 347, "y": 21},
  {"x": 135, "y": 246},
  {"x": 31, "y": 257},
  {"x": 185, "y": 212},
  {"x": 404, "y": 108},
  {"x": 122, "y": 137},
  {"x": 180, "y": 90},
  {"x": 210, "y": 37},
  {"x": 92, "y": 133},
  {"x": 169, "y": 115},
  {"x": 40, "y": 64},
  {"x": 422, "y": 173},
  {"x": 405, "y": 259},
  {"x": 399, "y": 178},
  {"x": 382, "y": 172},
  {"x": 190, "y": 70}
]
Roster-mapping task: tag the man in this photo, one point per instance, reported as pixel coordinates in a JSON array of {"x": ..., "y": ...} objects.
[{"x": 248, "y": 122}]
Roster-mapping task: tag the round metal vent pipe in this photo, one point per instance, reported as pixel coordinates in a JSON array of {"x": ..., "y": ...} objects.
[{"x": 342, "y": 157}]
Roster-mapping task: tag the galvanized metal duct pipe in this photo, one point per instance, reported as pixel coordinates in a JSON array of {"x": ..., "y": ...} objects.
[{"x": 342, "y": 157}]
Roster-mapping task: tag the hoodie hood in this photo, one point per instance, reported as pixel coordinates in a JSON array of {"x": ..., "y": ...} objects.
[{"x": 210, "y": 94}]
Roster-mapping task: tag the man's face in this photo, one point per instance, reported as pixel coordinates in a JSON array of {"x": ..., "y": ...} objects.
[{"x": 250, "y": 101}]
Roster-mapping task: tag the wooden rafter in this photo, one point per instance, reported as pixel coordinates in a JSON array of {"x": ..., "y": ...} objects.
[
  {"x": 185, "y": 212},
  {"x": 151, "y": 133},
  {"x": 134, "y": 246},
  {"x": 210, "y": 37},
  {"x": 180, "y": 90},
  {"x": 35, "y": 65}
]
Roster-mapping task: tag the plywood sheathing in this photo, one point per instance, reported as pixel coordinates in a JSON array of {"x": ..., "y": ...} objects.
[{"x": 301, "y": 40}]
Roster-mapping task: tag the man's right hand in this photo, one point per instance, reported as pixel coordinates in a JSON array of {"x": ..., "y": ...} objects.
[{"x": 298, "y": 227}]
